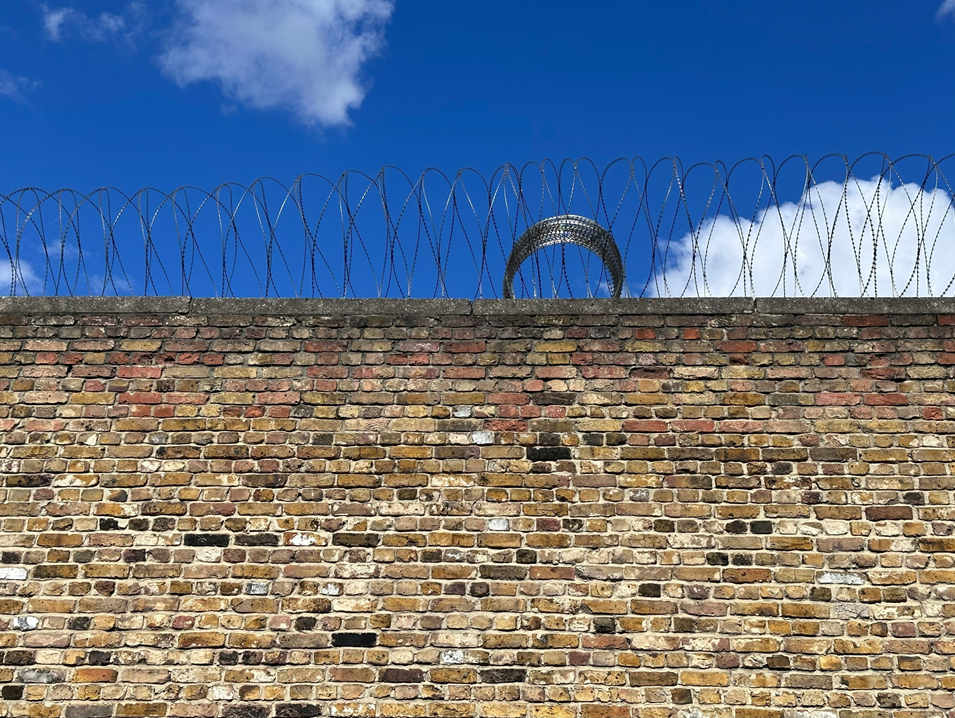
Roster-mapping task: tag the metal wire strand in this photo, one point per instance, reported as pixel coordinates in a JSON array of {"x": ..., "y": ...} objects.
[{"x": 870, "y": 226}]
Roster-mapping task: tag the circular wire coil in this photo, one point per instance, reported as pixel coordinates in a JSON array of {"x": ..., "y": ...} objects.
[{"x": 566, "y": 229}]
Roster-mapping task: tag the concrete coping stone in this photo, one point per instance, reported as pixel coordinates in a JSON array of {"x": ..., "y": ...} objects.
[
  {"x": 480, "y": 307},
  {"x": 94, "y": 305},
  {"x": 333, "y": 307},
  {"x": 856, "y": 305},
  {"x": 654, "y": 306}
]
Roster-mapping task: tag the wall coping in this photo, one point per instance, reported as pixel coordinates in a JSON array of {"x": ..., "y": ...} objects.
[{"x": 481, "y": 307}]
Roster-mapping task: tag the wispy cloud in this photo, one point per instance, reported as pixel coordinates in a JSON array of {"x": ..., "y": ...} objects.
[
  {"x": 302, "y": 56},
  {"x": 18, "y": 278},
  {"x": 867, "y": 238},
  {"x": 947, "y": 8},
  {"x": 63, "y": 22},
  {"x": 13, "y": 86}
]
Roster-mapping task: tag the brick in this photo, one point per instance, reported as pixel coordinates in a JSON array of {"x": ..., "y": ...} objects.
[
  {"x": 297, "y": 710},
  {"x": 888, "y": 513},
  {"x": 652, "y": 678},
  {"x": 350, "y": 539},
  {"x": 94, "y": 675},
  {"x": 504, "y": 675},
  {"x": 246, "y": 711},
  {"x": 401, "y": 675},
  {"x": 391, "y": 515},
  {"x": 357, "y": 640},
  {"x": 89, "y": 710},
  {"x": 453, "y": 675}
]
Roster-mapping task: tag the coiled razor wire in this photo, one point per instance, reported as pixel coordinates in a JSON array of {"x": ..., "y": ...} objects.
[
  {"x": 872, "y": 226},
  {"x": 567, "y": 229}
]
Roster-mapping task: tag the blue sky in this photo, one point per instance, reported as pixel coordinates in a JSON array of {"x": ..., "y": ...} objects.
[
  {"x": 173, "y": 92},
  {"x": 457, "y": 84}
]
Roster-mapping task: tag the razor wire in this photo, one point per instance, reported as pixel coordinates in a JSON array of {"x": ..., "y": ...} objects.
[{"x": 872, "y": 226}]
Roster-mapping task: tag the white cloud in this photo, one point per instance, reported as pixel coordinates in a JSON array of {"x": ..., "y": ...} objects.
[
  {"x": 947, "y": 8},
  {"x": 53, "y": 21},
  {"x": 13, "y": 86},
  {"x": 23, "y": 281},
  {"x": 61, "y": 22},
  {"x": 304, "y": 56},
  {"x": 879, "y": 239}
]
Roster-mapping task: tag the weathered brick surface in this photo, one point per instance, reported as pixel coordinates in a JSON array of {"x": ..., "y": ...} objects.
[{"x": 221, "y": 511}]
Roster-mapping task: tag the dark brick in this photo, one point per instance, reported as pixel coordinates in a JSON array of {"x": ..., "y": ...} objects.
[
  {"x": 365, "y": 540},
  {"x": 479, "y": 590},
  {"x": 504, "y": 675},
  {"x": 220, "y": 540},
  {"x": 262, "y": 539},
  {"x": 297, "y": 710},
  {"x": 778, "y": 662},
  {"x": 554, "y": 398},
  {"x": 548, "y": 453},
  {"x": 19, "y": 657},
  {"x": 650, "y": 590},
  {"x": 682, "y": 624},
  {"x": 245, "y": 710},
  {"x": 455, "y": 589},
  {"x": 605, "y": 624},
  {"x": 401, "y": 675},
  {"x": 761, "y": 527},
  {"x": 99, "y": 658},
  {"x": 354, "y": 640},
  {"x": 11, "y": 693},
  {"x": 305, "y": 623},
  {"x": 681, "y": 696},
  {"x": 888, "y": 513}
]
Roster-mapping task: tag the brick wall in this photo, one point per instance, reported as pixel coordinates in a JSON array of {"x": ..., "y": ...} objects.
[{"x": 500, "y": 509}]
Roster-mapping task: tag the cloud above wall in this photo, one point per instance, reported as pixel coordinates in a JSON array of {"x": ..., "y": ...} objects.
[
  {"x": 305, "y": 57},
  {"x": 947, "y": 8},
  {"x": 867, "y": 238},
  {"x": 13, "y": 86},
  {"x": 61, "y": 23},
  {"x": 302, "y": 56},
  {"x": 24, "y": 280}
]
